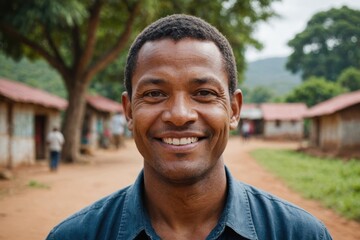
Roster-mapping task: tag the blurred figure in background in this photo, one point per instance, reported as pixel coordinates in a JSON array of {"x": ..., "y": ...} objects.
[
  {"x": 55, "y": 141},
  {"x": 118, "y": 122},
  {"x": 245, "y": 129},
  {"x": 105, "y": 138}
]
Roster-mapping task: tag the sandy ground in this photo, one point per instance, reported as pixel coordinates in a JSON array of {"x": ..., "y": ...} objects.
[{"x": 31, "y": 212}]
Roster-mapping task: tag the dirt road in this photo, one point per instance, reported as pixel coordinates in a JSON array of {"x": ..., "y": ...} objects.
[{"x": 30, "y": 212}]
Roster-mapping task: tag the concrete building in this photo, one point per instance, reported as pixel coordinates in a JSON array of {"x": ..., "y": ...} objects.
[
  {"x": 96, "y": 125},
  {"x": 27, "y": 114},
  {"x": 283, "y": 120},
  {"x": 335, "y": 124}
]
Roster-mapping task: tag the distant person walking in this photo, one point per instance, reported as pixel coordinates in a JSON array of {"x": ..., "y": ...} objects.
[
  {"x": 55, "y": 140},
  {"x": 245, "y": 128},
  {"x": 118, "y": 122}
]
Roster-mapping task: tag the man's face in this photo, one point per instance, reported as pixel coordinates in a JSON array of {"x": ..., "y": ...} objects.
[{"x": 180, "y": 111}]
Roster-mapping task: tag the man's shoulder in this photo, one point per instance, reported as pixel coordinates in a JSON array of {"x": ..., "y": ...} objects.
[
  {"x": 270, "y": 212},
  {"x": 100, "y": 217}
]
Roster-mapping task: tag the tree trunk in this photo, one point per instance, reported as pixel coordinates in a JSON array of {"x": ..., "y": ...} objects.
[{"x": 73, "y": 120}]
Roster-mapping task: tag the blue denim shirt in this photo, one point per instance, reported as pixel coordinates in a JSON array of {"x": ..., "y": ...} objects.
[{"x": 249, "y": 213}]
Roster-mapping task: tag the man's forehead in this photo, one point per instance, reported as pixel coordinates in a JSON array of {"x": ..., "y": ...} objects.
[
  {"x": 176, "y": 41},
  {"x": 182, "y": 45},
  {"x": 186, "y": 53}
]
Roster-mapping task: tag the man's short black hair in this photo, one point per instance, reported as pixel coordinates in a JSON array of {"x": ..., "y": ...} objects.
[{"x": 177, "y": 27}]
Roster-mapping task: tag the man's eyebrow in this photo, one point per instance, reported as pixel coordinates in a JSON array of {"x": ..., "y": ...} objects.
[
  {"x": 149, "y": 81},
  {"x": 205, "y": 80},
  {"x": 194, "y": 81}
]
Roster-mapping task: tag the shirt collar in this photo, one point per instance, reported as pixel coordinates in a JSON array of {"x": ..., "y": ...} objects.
[
  {"x": 236, "y": 214},
  {"x": 135, "y": 219}
]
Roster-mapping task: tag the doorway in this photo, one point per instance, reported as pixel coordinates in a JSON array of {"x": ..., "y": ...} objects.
[{"x": 40, "y": 136}]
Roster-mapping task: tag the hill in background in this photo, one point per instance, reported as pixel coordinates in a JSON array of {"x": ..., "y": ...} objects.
[{"x": 271, "y": 73}]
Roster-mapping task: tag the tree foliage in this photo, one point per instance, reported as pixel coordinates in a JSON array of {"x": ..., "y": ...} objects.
[
  {"x": 259, "y": 94},
  {"x": 109, "y": 82},
  {"x": 79, "y": 39},
  {"x": 328, "y": 45},
  {"x": 314, "y": 91},
  {"x": 350, "y": 79}
]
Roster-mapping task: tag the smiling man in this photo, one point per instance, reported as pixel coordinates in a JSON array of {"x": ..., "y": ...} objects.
[{"x": 181, "y": 102}]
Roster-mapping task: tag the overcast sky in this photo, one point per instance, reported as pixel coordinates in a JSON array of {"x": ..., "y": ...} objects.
[{"x": 294, "y": 14}]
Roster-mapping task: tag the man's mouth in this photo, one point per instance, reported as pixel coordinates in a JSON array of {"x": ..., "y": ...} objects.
[{"x": 180, "y": 141}]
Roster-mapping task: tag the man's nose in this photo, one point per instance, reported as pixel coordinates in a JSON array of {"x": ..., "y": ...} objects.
[{"x": 180, "y": 111}]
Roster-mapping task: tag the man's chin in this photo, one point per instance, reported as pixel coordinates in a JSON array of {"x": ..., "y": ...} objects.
[{"x": 184, "y": 175}]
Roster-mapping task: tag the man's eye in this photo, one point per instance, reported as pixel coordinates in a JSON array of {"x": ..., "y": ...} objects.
[
  {"x": 154, "y": 94},
  {"x": 205, "y": 93}
]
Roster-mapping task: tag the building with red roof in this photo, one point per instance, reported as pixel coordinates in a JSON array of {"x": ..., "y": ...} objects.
[
  {"x": 274, "y": 120},
  {"x": 27, "y": 114},
  {"x": 283, "y": 120},
  {"x": 96, "y": 130},
  {"x": 103, "y": 104},
  {"x": 335, "y": 124}
]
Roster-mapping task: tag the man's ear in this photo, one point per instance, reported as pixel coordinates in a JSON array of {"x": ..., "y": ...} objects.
[
  {"x": 126, "y": 103},
  {"x": 236, "y": 103}
]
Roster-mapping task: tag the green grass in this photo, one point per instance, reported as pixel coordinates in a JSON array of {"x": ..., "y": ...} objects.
[
  {"x": 36, "y": 184},
  {"x": 334, "y": 182}
]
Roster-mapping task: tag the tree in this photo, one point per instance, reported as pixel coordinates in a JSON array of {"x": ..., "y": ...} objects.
[
  {"x": 81, "y": 38},
  {"x": 107, "y": 82},
  {"x": 67, "y": 35},
  {"x": 328, "y": 45},
  {"x": 260, "y": 94},
  {"x": 314, "y": 91},
  {"x": 350, "y": 79}
]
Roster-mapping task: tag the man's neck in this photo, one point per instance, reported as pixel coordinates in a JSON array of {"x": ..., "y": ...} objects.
[{"x": 188, "y": 211}]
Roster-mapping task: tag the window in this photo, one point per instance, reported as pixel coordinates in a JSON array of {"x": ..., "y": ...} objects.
[{"x": 277, "y": 123}]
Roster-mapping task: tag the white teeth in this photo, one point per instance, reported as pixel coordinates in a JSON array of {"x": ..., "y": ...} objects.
[{"x": 180, "y": 141}]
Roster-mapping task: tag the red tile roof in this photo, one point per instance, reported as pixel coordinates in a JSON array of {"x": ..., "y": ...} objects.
[
  {"x": 283, "y": 111},
  {"x": 250, "y": 111},
  {"x": 334, "y": 104},
  {"x": 249, "y": 106},
  {"x": 103, "y": 104},
  {"x": 19, "y": 92}
]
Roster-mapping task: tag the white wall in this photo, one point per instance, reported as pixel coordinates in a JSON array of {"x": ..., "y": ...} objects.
[
  {"x": 286, "y": 129},
  {"x": 22, "y": 147}
]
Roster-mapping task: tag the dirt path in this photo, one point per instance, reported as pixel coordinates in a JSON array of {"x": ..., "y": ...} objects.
[{"x": 30, "y": 212}]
